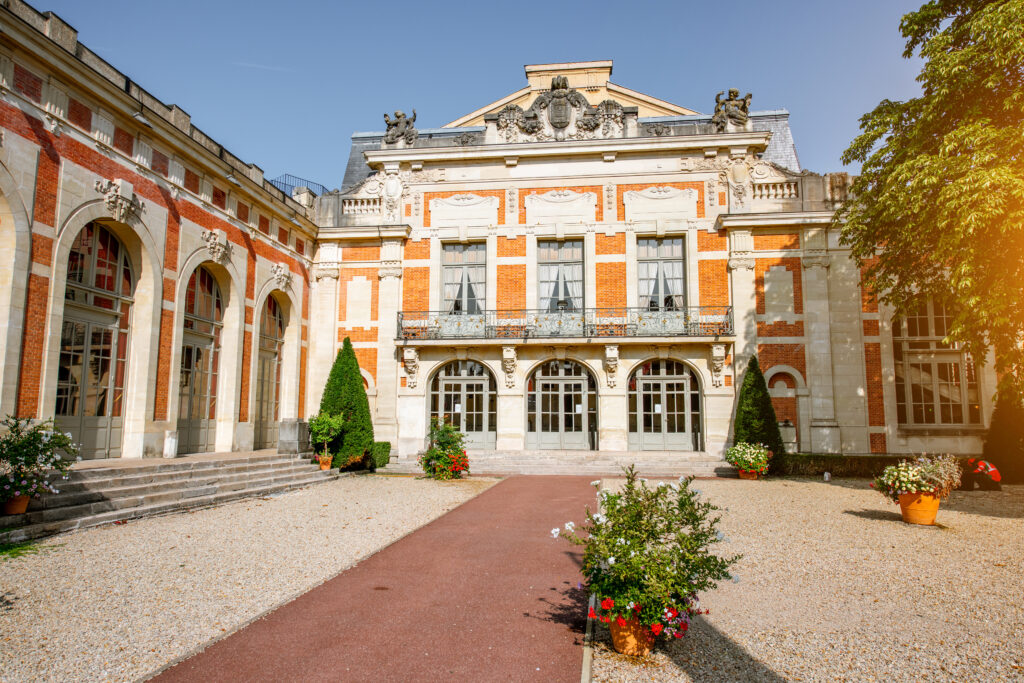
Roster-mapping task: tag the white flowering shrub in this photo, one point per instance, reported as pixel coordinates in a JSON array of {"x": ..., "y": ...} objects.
[
  {"x": 752, "y": 457},
  {"x": 33, "y": 457},
  {"x": 937, "y": 476},
  {"x": 647, "y": 554}
]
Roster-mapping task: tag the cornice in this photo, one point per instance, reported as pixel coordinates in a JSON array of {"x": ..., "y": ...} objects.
[
  {"x": 767, "y": 220},
  {"x": 383, "y": 232},
  {"x": 757, "y": 140}
]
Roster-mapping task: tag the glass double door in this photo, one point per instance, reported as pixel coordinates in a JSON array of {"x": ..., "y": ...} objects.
[
  {"x": 90, "y": 385},
  {"x": 663, "y": 420},
  {"x": 197, "y": 385},
  {"x": 560, "y": 416},
  {"x": 467, "y": 403},
  {"x": 268, "y": 382}
]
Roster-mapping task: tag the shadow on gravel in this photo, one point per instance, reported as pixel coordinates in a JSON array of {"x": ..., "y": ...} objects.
[
  {"x": 730, "y": 661},
  {"x": 7, "y": 601},
  {"x": 877, "y": 515}
]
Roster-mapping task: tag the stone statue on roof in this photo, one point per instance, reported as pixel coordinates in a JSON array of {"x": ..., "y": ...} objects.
[
  {"x": 731, "y": 111},
  {"x": 400, "y": 128}
]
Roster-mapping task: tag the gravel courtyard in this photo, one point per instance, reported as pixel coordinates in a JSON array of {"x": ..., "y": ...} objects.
[
  {"x": 834, "y": 587},
  {"x": 118, "y": 602}
]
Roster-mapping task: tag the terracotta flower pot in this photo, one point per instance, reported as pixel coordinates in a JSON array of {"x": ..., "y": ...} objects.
[
  {"x": 918, "y": 508},
  {"x": 325, "y": 464},
  {"x": 631, "y": 639},
  {"x": 16, "y": 505},
  {"x": 749, "y": 474}
]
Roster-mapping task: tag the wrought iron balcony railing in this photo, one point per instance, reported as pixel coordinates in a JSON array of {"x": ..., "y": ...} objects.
[{"x": 697, "y": 321}]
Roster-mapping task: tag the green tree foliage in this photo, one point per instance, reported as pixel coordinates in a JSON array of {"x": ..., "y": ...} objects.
[
  {"x": 940, "y": 198},
  {"x": 1004, "y": 445},
  {"x": 330, "y": 404},
  {"x": 357, "y": 437},
  {"x": 755, "y": 416}
]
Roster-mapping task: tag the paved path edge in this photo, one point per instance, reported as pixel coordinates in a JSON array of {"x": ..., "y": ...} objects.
[
  {"x": 296, "y": 595},
  {"x": 586, "y": 673}
]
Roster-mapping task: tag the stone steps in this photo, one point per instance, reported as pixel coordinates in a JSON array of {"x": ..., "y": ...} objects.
[
  {"x": 104, "y": 495},
  {"x": 589, "y": 463}
]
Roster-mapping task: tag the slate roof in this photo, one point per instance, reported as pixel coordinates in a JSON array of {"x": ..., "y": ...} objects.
[{"x": 781, "y": 150}]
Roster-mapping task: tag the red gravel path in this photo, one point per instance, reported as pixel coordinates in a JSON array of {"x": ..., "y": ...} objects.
[{"x": 481, "y": 594}]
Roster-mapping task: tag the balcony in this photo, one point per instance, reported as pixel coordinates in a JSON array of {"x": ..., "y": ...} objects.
[{"x": 697, "y": 321}]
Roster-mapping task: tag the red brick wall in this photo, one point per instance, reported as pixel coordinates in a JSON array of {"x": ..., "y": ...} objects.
[
  {"x": 785, "y": 408},
  {"x": 357, "y": 334},
  {"x": 868, "y": 300},
  {"x": 123, "y": 141},
  {"x": 367, "y": 358},
  {"x": 712, "y": 241},
  {"x": 418, "y": 249},
  {"x": 714, "y": 282},
  {"x": 770, "y": 355},
  {"x": 416, "y": 289},
  {"x": 789, "y": 240},
  {"x": 79, "y": 115},
  {"x": 621, "y": 190},
  {"x": 876, "y": 397},
  {"x": 219, "y": 198},
  {"x": 191, "y": 182},
  {"x": 360, "y": 253},
  {"x": 511, "y": 247},
  {"x": 511, "y": 287},
  {"x": 159, "y": 163},
  {"x": 780, "y": 329},
  {"x": 27, "y": 83},
  {"x": 878, "y": 444},
  {"x": 611, "y": 284},
  {"x": 616, "y": 244},
  {"x": 32, "y": 346},
  {"x": 870, "y": 328},
  {"x": 163, "y": 364}
]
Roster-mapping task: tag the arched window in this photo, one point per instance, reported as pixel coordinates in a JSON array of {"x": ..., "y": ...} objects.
[
  {"x": 561, "y": 407},
  {"x": 464, "y": 393},
  {"x": 200, "y": 363},
  {"x": 268, "y": 376},
  {"x": 936, "y": 382},
  {"x": 93, "y": 358},
  {"x": 664, "y": 407}
]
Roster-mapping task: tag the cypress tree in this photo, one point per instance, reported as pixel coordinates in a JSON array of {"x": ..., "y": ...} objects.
[
  {"x": 331, "y": 401},
  {"x": 755, "y": 416},
  {"x": 357, "y": 438},
  {"x": 1004, "y": 443}
]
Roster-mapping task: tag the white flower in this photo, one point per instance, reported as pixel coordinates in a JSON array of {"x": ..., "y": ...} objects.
[
  {"x": 554, "y": 532},
  {"x": 720, "y": 536},
  {"x": 611, "y": 561},
  {"x": 600, "y": 519},
  {"x": 596, "y": 482},
  {"x": 621, "y": 541},
  {"x": 570, "y": 526}
]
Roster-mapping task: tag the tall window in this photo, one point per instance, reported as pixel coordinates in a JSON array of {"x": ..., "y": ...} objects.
[
  {"x": 560, "y": 278},
  {"x": 464, "y": 274},
  {"x": 936, "y": 383},
  {"x": 660, "y": 273}
]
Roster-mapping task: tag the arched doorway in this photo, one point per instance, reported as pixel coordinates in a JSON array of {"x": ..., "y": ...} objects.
[
  {"x": 200, "y": 364},
  {"x": 664, "y": 407},
  {"x": 464, "y": 392},
  {"x": 268, "y": 374},
  {"x": 93, "y": 359},
  {"x": 561, "y": 407}
]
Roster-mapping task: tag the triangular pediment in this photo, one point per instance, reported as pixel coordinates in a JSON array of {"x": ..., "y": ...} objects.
[{"x": 590, "y": 79}]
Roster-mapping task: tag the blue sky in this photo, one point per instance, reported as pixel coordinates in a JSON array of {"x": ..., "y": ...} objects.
[{"x": 284, "y": 85}]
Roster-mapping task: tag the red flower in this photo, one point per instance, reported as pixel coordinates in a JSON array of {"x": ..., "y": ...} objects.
[
  {"x": 656, "y": 629},
  {"x": 607, "y": 603},
  {"x": 685, "y": 627},
  {"x": 672, "y": 614},
  {"x": 678, "y": 634},
  {"x": 605, "y": 619},
  {"x": 637, "y": 608},
  {"x": 592, "y": 614},
  {"x": 620, "y": 621}
]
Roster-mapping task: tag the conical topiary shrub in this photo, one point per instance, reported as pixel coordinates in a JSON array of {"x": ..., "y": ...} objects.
[
  {"x": 755, "y": 416},
  {"x": 1004, "y": 443},
  {"x": 330, "y": 403},
  {"x": 357, "y": 438}
]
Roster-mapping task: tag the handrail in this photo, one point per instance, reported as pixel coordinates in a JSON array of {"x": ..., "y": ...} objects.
[{"x": 694, "y": 321}]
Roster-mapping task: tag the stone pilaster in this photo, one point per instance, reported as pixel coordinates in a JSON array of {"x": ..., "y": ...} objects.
[
  {"x": 824, "y": 427},
  {"x": 389, "y": 297}
]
